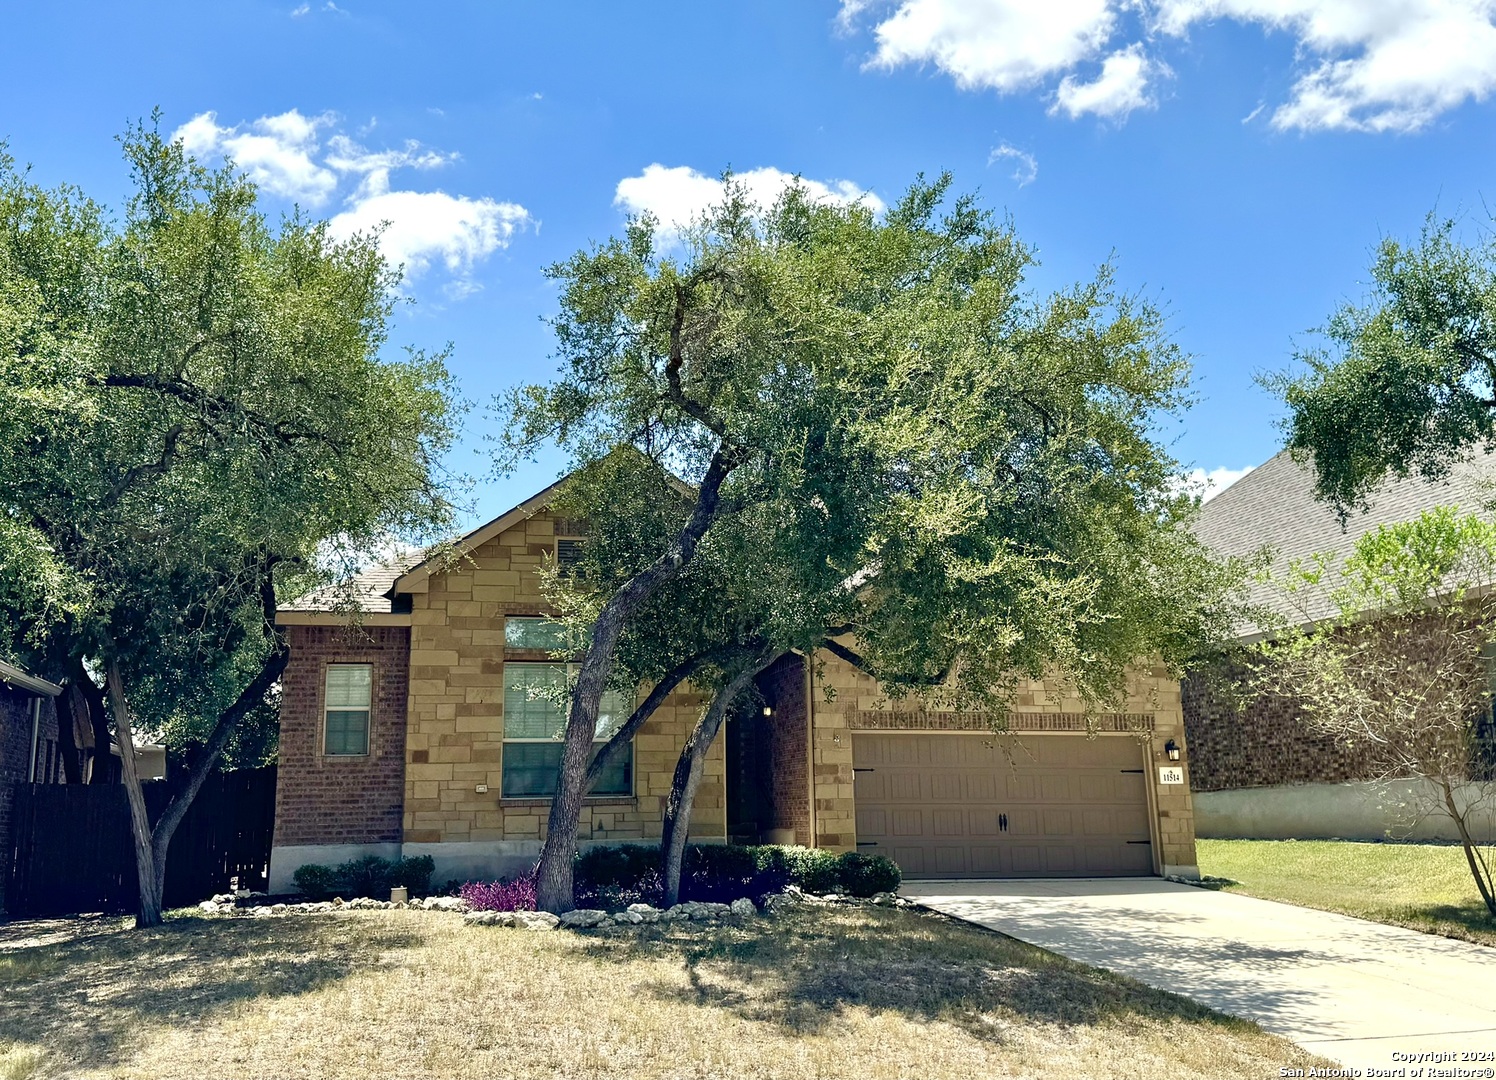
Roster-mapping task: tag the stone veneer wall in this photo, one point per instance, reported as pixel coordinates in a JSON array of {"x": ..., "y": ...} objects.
[
  {"x": 783, "y": 685},
  {"x": 456, "y": 714},
  {"x": 1041, "y": 705},
  {"x": 15, "y": 756},
  {"x": 341, "y": 800},
  {"x": 1261, "y": 742}
]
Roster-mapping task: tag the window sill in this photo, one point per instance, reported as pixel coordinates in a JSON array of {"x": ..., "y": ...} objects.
[{"x": 590, "y": 800}]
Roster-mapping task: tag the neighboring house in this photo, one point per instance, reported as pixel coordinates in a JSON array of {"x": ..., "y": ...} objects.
[
  {"x": 418, "y": 731},
  {"x": 29, "y": 752},
  {"x": 1258, "y": 771}
]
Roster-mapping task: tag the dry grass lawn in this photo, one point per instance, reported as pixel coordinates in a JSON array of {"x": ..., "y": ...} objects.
[
  {"x": 861, "y": 993},
  {"x": 1424, "y": 887}
]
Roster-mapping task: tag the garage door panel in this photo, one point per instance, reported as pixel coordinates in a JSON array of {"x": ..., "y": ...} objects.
[
  {"x": 1055, "y": 789},
  {"x": 951, "y": 859},
  {"x": 1022, "y": 788},
  {"x": 946, "y": 786},
  {"x": 1057, "y": 822},
  {"x": 953, "y": 805},
  {"x": 981, "y": 787},
  {"x": 904, "y": 786}
]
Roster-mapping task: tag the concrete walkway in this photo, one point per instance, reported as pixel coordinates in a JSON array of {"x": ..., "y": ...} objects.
[{"x": 1354, "y": 991}]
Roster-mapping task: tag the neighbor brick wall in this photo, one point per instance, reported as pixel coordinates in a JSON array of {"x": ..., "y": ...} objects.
[
  {"x": 15, "y": 757},
  {"x": 783, "y": 686},
  {"x": 342, "y": 800},
  {"x": 1246, "y": 741}
]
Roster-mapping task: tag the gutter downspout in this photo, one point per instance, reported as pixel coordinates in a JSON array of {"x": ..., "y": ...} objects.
[{"x": 36, "y": 732}]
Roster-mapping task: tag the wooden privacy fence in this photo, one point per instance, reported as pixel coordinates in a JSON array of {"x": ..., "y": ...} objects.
[{"x": 70, "y": 848}]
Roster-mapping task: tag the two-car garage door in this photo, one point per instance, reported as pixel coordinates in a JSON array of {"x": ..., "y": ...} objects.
[{"x": 976, "y": 805}]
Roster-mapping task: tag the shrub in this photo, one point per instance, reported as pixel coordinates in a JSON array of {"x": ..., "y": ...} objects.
[
  {"x": 614, "y": 877},
  {"x": 516, "y": 895},
  {"x": 863, "y": 875},
  {"x": 811, "y": 869},
  {"x": 719, "y": 873},
  {"x": 366, "y": 876},
  {"x": 369, "y": 876},
  {"x": 415, "y": 874},
  {"x": 316, "y": 882}
]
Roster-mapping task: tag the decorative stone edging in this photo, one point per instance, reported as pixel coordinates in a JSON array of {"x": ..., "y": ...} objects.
[
  {"x": 579, "y": 919},
  {"x": 691, "y": 911},
  {"x": 227, "y": 905}
]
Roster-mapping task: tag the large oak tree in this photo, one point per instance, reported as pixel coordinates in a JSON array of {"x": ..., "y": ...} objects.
[
  {"x": 196, "y": 414},
  {"x": 874, "y": 413}
]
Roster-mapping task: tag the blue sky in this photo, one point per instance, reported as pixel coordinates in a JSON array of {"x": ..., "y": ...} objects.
[{"x": 1237, "y": 158}]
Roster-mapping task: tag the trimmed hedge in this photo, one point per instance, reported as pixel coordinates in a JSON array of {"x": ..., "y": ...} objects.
[
  {"x": 614, "y": 877},
  {"x": 369, "y": 876}
]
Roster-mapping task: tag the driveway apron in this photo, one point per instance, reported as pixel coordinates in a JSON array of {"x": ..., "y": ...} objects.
[{"x": 1354, "y": 991}]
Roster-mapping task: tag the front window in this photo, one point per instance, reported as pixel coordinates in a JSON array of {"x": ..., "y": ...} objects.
[
  {"x": 346, "y": 706},
  {"x": 536, "y": 704}
]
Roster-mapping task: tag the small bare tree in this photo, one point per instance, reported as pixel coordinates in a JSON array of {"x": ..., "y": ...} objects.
[{"x": 1391, "y": 657}]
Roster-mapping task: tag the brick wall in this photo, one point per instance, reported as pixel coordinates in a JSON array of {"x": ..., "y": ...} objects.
[
  {"x": 342, "y": 800},
  {"x": 783, "y": 687},
  {"x": 1259, "y": 742},
  {"x": 15, "y": 757}
]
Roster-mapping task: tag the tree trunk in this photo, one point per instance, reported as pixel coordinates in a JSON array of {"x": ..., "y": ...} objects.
[
  {"x": 151, "y": 845},
  {"x": 98, "y": 721},
  {"x": 1478, "y": 869},
  {"x": 67, "y": 745},
  {"x": 688, "y": 778},
  {"x": 149, "y": 913},
  {"x": 553, "y": 877}
]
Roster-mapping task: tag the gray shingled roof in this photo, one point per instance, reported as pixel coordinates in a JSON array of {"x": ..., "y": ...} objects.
[
  {"x": 366, "y": 589},
  {"x": 1274, "y": 505}
]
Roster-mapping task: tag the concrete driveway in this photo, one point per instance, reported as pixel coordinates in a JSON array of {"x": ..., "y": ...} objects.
[{"x": 1354, "y": 991}]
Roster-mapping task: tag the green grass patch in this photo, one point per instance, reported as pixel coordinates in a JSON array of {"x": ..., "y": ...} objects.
[{"x": 1424, "y": 887}]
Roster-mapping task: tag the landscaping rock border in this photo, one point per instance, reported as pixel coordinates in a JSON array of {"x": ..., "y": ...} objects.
[{"x": 579, "y": 919}]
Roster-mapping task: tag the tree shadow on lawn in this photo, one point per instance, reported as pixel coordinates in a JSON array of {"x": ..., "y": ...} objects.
[
  {"x": 803, "y": 969},
  {"x": 91, "y": 998}
]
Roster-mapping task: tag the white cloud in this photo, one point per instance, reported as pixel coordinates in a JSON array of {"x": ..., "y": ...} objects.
[
  {"x": 1378, "y": 65},
  {"x": 1121, "y": 87},
  {"x": 300, "y": 10},
  {"x": 1004, "y": 45},
  {"x": 678, "y": 195},
  {"x": 1210, "y": 484},
  {"x": 421, "y": 227},
  {"x": 277, "y": 152},
  {"x": 287, "y": 155},
  {"x": 1027, "y": 170},
  {"x": 1366, "y": 65}
]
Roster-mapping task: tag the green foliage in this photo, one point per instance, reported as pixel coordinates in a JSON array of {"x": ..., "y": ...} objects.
[
  {"x": 965, "y": 474},
  {"x": 1392, "y": 657},
  {"x": 369, "y": 876},
  {"x": 195, "y": 414},
  {"x": 614, "y": 877},
  {"x": 863, "y": 875},
  {"x": 317, "y": 882},
  {"x": 1407, "y": 384}
]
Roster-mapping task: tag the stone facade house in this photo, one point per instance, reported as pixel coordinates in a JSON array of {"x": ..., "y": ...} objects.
[
  {"x": 418, "y": 728},
  {"x": 1257, "y": 769},
  {"x": 29, "y": 748}
]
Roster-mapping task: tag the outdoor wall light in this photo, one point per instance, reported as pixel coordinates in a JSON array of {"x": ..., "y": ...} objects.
[
  {"x": 1171, "y": 750},
  {"x": 768, "y": 710}
]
